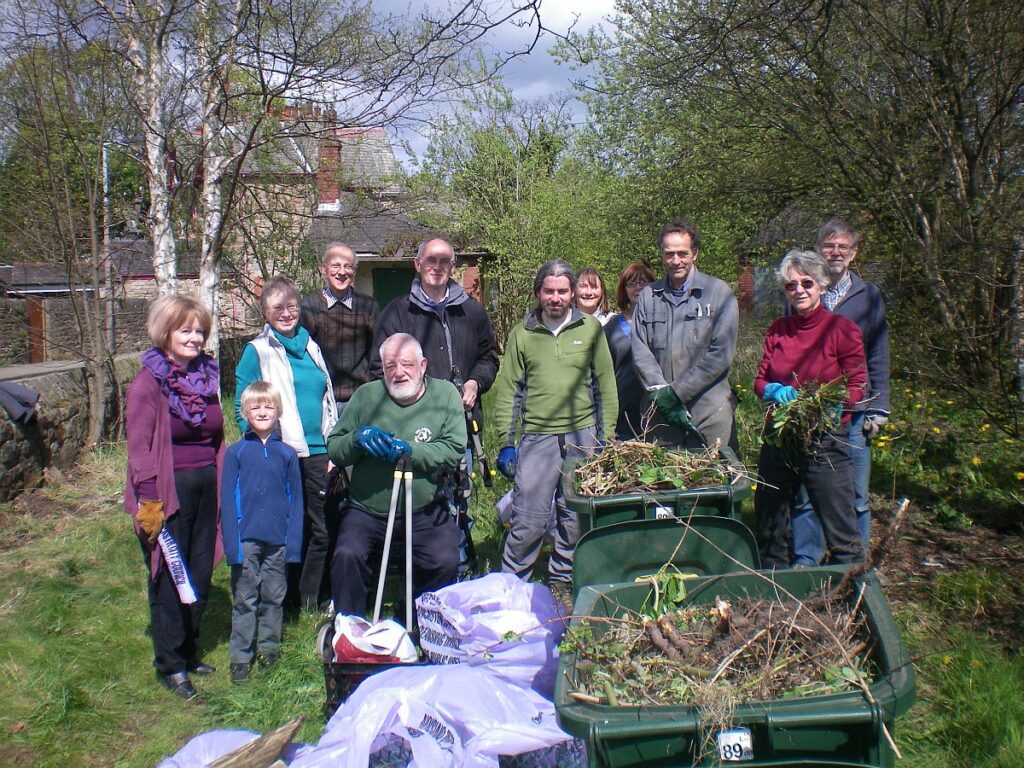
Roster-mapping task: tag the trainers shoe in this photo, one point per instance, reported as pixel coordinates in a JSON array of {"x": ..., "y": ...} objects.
[
  {"x": 267, "y": 660},
  {"x": 239, "y": 673}
]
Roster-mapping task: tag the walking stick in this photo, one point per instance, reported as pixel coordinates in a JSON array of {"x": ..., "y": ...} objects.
[
  {"x": 395, "y": 488},
  {"x": 407, "y": 461}
]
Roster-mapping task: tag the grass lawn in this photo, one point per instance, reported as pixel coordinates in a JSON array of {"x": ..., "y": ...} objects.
[{"x": 76, "y": 677}]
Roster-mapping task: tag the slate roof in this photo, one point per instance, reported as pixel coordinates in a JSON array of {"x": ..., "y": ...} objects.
[
  {"x": 365, "y": 156},
  {"x": 131, "y": 258},
  {"x": 369, "y": 229}
]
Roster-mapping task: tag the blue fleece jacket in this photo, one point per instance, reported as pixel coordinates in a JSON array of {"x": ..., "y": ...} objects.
[{"x": 261, "y": 496}]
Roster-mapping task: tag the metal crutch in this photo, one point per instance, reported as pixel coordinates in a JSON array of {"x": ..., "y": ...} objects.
[
  {"x": 395, "y": 487},
  {"x": 407, "y": 462}
]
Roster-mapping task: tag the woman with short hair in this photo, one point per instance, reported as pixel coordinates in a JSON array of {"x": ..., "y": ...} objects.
[
  {"x": 175, "y": 434},
  {"x": 284, "y": 354},
  {"x": 812, "y": 346}
]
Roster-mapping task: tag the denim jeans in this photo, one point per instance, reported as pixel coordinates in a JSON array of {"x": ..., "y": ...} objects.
[{"x": 808, "y": 540}]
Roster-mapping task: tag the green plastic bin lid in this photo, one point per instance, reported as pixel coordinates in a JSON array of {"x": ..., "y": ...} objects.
[{"x": 701, "y": 545}]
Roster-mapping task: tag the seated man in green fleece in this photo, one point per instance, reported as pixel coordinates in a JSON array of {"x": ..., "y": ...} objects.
[{"x": 406, "y": 414}]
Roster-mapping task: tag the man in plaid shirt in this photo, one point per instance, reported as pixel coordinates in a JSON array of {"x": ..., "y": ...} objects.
[{"x": 341, "y": 321}]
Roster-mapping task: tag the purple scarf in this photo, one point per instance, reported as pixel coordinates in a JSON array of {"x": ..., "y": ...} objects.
[{"x": 187, "y": 390}]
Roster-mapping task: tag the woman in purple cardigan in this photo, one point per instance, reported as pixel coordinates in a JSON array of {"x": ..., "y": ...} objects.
[{"x": 175, "y": 431}]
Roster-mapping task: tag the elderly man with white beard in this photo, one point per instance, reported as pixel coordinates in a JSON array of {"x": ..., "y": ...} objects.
[{"x": 406, "y": 414}]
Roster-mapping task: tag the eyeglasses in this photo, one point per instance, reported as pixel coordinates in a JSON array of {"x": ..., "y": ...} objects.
[
  {"x": 840, "y": 247},
  {"x": 807, "y": 283},
  {"x": 431, "y": 262},
  {"x": 638, "y": 283},
  {"x": 279, "y": 309}
]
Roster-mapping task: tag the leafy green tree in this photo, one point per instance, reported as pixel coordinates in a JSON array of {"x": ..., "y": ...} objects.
[
  {"x": 906, "y": 112},
  {"x": 512, "y": 176},
  {"x": 63, "y": 104}
]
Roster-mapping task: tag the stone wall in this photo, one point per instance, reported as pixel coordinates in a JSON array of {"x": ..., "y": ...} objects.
[
  {"x": 13, "y": 331},
  {"x": 56, "y": 436},
  {"x": 62, "y": 333}
]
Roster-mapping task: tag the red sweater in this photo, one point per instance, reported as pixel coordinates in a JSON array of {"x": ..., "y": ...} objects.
[{"x": 818, "y": 347}]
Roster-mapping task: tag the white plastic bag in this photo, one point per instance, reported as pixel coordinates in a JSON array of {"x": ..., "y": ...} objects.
[
  {"x": 356, "y": 640},
  {"x": 207, "y": 747},
  {"x": 449, "y": 716},
  {"x": 498, "y": 621}
]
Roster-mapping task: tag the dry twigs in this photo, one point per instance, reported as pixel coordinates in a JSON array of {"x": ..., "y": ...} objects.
[
  {"x": 637, "y": 467},
  {"x": 761, "y": 650}
]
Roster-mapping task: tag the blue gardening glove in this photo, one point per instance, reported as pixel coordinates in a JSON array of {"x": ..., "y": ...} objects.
[
  {"x": 374, "y": 442},
  {"x": 873, "y": 423},
  {"x": 779, "y": 393},
  {"x": 398, "y": 448},
  {"x": 508, "y": 459}
]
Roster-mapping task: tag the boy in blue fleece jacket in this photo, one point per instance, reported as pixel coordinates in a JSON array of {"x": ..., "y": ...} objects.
[{"x": 261, "y": 522}]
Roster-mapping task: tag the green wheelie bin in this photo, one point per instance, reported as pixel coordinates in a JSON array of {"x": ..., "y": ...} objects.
[
  {"x": 721, "y": 500},
  {"x": 845, "y": 729}
]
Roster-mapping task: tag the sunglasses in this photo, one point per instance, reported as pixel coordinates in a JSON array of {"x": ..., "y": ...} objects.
[{"x": 807, "y": 283}]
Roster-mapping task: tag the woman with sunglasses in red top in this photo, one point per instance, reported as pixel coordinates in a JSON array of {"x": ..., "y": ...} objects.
[{"x": 812, "y": 346}]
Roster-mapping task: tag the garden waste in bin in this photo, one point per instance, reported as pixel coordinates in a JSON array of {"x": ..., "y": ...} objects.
[
  {"x": 723, "y": 500},
  {"x": 840, "y": 729}
]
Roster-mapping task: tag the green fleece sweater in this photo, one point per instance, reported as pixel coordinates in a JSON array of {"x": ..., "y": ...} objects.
[
  {"x": 556, "y": 384},
  {"x": 435, "y": 427}
]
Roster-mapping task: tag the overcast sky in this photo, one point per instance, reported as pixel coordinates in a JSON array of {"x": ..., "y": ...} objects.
[{"x": 536, "y": 75}]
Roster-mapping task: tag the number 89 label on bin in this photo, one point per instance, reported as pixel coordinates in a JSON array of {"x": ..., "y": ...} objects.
[{"x": 735, "y": 744}]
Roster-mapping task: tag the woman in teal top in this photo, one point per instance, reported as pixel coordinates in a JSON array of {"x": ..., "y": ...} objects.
[{"x": 284, "y": 355}]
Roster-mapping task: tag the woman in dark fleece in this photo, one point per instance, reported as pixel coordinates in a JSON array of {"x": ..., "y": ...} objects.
[
  {"x": 813, "y": 346},
  {"x": 175, "y": 431}
]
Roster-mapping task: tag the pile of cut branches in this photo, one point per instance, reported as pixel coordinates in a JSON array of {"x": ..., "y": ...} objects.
[
  {"x": 724, "y": 654},
  {"x": 633, "y": 466},
  {"x": 816, "y": 409}
]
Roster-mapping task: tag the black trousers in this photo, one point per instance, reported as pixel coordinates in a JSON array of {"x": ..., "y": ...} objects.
[
  {"x": 357, "y": 555},
  {"x": 312, "y": 572},
  {"x": 826, "y": 470},
  {"x": 175, "y": 627}
]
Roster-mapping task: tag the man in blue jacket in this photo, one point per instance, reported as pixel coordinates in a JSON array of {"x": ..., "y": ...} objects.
[{"x": 861, "y": 302}]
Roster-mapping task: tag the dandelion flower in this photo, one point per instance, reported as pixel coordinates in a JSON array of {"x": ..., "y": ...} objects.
[
  {"x": 985, "y": 427},
  {"x": 1020, "y": 475},
  {"x": 936, "y": 430},
  {"x": 949, "y": 402},
  {"x": 976, "y": 461},
  {"x": 919, "y": 405}
]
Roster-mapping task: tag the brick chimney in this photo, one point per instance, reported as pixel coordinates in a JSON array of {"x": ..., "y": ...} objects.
[{"x": 329, "y": 172}]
